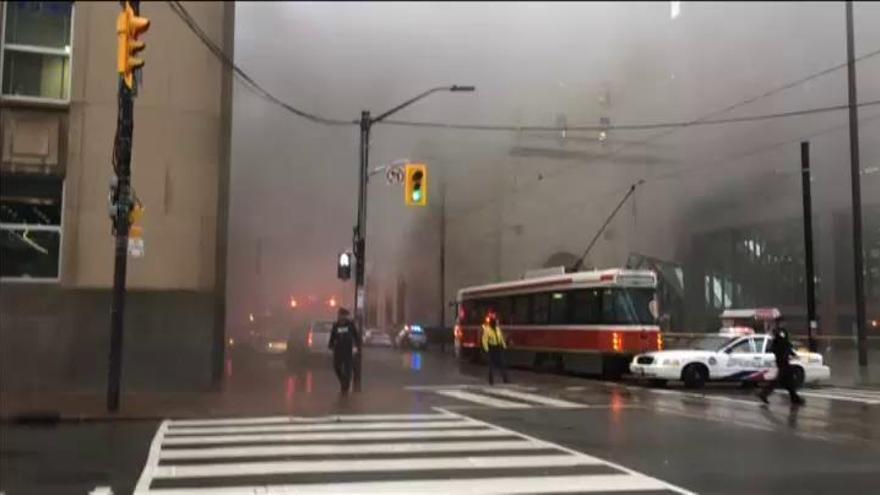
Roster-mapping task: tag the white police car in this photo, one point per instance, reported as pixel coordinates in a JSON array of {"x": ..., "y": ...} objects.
[
  {"x": 735, "y": 354},
  {"x": 411, "y": 336}
]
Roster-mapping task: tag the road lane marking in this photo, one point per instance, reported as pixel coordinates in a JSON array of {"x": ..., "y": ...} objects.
[
  {"x": 488, "y": 486},
  {"x": 317, "y": 419},
  {"x": 427, "y": 425},
  {"x": 855, "y": 392},
  {"x": 331, "y": 449},
  {"x": 539, "y": 399},
  {"x": 366, "y": 465},
  {"x": 482, "y": 399},
  {"x": 152, "y": 458},
  {"x": 832, "y": 396},
  {"x": 563, "y": 448},
  {"x": 335, "y": 436},
  {"x": 403, "y": 461}
]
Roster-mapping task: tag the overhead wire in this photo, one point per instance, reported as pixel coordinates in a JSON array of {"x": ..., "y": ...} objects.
[
  {"x": 708, "y": 119},
  {"x": 629, "y": 127},
  {"x": 256, "y": 87},
  {"x": 181, "y": 11},
  {"x": 667, "y": 127}
]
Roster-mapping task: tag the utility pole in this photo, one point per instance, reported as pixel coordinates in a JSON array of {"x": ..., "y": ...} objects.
[
  {"x": 129, "y": 25},
  {"x": 810, "y": 278},
  {"x": 360, "y": 231},
  {"x": 855, "y": 175},
  {"x": 443, "y": 257}
]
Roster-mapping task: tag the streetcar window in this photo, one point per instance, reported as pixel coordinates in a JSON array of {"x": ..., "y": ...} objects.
[
  {"x": 586, "y": 306},
  {"x": 627, "y": 306},
  {"x": 558, "y": 308},
  {"x": 504, "y": 309},
  {"x": 540, "y": 308},
  {"x": 471, "y": 312},
  {"x": 521, "y": 310}
]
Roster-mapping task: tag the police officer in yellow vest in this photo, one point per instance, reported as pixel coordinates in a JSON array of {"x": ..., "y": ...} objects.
[{"x": 493, "y": 344}]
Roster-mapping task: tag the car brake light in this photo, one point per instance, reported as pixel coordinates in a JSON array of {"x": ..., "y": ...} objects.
[
  {"x": 616, "y": 342},
  {"x": 607, "y": 278}
]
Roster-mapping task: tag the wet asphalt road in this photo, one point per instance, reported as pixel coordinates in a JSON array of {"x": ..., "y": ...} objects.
[{"x": 719, "y": 440}]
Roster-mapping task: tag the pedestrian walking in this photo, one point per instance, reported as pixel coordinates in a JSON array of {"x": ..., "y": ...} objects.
[
  {"x": 345, "y": 341},
  {"x": 782, "y": 351},
  {"x": 494, "y": 345}
]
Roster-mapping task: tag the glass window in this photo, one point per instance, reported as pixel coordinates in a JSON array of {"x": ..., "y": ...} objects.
[
  {"x": 44, "y": 24},
  {"x": 586, "y": 306},
  {"x": 708, "y": 343},
  {"x": 470, "y": 311},
  {"x": 540, "y": 308},
  {"x": 504, "y": 309},
  {"x": 627, "y": 306},
  {"x": 30, "y": 227},
  {"x": 758, "y": 343},
  {"x": 745, "y": 346},
  {"x": 558, "y": 308},
  {"x": 36, "y": 50},
  {"x": 521, "y": 310}
]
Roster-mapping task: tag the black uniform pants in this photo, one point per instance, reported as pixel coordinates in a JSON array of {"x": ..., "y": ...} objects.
[
  {"x": 496, "y": 361},
  {"x": 342, "y": 365},
  {"x": 785, "y": 379}
]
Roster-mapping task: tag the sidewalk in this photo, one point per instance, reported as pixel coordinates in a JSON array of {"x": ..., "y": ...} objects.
[
  {"x": 85, "y": 406},
  {"x": 845, "y": 370}
]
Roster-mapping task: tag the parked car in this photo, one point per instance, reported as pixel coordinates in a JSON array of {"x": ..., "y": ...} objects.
[
  {"x": 411, "y": 337},
  {"x": 377, "y": 338},
  {"x": 313, "y": 341}
]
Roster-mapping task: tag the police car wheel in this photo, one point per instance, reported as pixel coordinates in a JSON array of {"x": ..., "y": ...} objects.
[
  {"x": 694, "y": 375},
  {"x": 798, "y": 376}
]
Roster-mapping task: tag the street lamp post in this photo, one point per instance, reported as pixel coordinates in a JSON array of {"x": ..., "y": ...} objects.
[{"x": 360, "y": 231}]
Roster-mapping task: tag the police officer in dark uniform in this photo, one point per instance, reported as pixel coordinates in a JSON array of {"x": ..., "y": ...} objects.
[
  {"x": 345, "y": 340},
  {"x": 782, "y": 350}
]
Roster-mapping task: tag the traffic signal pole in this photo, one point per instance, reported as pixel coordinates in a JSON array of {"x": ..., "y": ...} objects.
[
  {"x": 360, "y": 231},
  {"x": 129, "y": 25},
  {"x": 360, "y": 244},
  {"x": 123, "y": 205}
]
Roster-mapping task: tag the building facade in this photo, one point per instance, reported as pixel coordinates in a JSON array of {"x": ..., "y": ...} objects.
[{"x": 59, "y": 109}]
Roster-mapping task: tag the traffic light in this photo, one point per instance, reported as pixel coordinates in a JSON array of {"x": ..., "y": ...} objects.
[
  {"x": 416, "y": 188},
  {"x": 129, "y": 26},
  {"x": 343, "y": 266}
]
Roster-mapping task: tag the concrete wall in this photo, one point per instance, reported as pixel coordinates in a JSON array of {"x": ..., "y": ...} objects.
[{"x": 57, "y": 334}]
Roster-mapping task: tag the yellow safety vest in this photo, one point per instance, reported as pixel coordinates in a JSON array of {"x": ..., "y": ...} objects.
[{"x": 492, "y": 337}]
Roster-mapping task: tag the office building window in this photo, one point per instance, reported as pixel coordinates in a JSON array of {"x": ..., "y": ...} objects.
[
  {"x": 30, "y": 227},
  {"x": 36, "y": 51}
]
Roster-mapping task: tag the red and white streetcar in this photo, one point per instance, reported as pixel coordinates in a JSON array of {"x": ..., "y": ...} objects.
[{"x": 593, "y": 321}]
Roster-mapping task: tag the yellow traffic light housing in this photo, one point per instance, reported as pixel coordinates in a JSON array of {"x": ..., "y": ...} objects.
[
  {"x": 416, "y": 185},
  {"x": 128, "y": 27}
]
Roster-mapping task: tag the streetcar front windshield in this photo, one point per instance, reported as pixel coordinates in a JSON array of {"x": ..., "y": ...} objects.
[{"x": 628, "y": 306}]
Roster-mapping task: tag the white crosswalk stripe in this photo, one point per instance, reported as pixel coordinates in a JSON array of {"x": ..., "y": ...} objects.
[
  {"x": 861, "y": 396},
  {"x": 443, "y": 452},
  {"x": 499, "y": 397}
]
